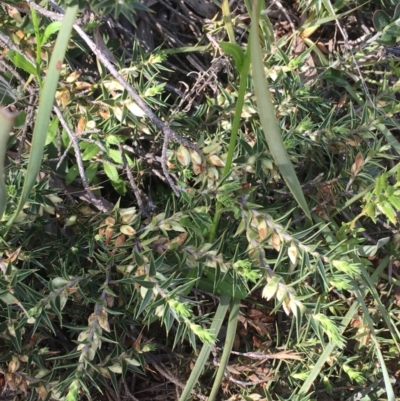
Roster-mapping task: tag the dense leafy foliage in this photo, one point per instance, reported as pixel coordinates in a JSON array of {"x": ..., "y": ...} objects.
[{"x": 148, "y": 211}]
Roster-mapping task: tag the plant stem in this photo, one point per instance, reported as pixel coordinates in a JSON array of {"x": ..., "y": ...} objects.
[
  {"x": 235, "y": 129},
  {"x": 230, "y": 338}
]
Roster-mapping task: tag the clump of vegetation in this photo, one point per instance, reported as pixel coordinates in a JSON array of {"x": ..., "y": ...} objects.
[{"x": 187, "y": 179}]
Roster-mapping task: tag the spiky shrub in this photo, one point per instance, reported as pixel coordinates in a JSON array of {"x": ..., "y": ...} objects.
[{"x": 79, "y": 285}]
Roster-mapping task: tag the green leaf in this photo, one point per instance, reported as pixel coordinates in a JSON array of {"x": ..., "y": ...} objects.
[
  {"x": 224, "y": 285},
  {"x": 119, "y": 185},
  {"x": 235, "y": 51},
  {"x": 381, "y": 184},
  {"x": 388, "y": 210},
  {"x": 7, "y": 94},
  {"x": 52, "y": 131},
  {"x": 111, "y": 171},
  {"x": 387, "y": 40},
  {"x": 396, "y": 14},
  {"x": 21, "y": 62},
  {"x": 336, "y": 77},
  {"x": 72, "y": 174},
  {"x": 8, "y": 298},
  {"x": 51, "y": 29},
  {"x": 229, "y": 341},
  {"x": 381, "y": 20},
  {"x": 115, "y": 155},
  {"x": 91, "y": 171},
  {"x": 371, "y": 250},
  {"x": 146, "y": 300},
  {"x": 394, "y": 30},
  {"x": 395, "y": 201},
  {"x": 269, "y": 122},
  {"x": 91, "y": 150}
]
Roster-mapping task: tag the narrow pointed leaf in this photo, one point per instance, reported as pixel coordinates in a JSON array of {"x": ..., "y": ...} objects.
[
  {"x": 268, "y": 119},
  {"x": 46, "y": 101}
]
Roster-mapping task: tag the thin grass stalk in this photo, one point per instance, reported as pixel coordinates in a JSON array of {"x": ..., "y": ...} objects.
[
  {"x": 206, "y": 349},
  {"x": 225, "y": 299},
  {"x": 227, "y": 17},
  {"x": 235, "y": 129},
  {"x": 230, "y": 338},
  {"x": 370, "y": 284},
  {"x": 46, "y": 101},
  {"x": 6, "y": 123},
  {"x": 385, "y": 373},
  {"x": 38, "y": 60}
]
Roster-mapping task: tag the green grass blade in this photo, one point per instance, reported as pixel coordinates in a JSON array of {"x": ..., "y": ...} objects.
[
  {"x": 268, "y": 119},
  {"x": 227, "y": 17},
  {"x": 370, "y": 283},
  {"x": 327, "y": 352},
  {"x": 46, "y": 101},
  {"x": 230, "y": 338},
  {"x": 390, "y": 137},
  {"x": 205, "y": 351},
  {"x": 385, "y": 373},
  {"x": 325, "y": 20},
  {"x": 6, "y": 123}
]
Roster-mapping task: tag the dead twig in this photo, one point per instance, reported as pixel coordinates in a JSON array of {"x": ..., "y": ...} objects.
[
  {"x": 128, "y": 393},
  {"x": 132, "y": 182},
  {"x": 94, "y": 200},
  {"x": 165, "y": 167},
  {"x": 168, "y": 375}
]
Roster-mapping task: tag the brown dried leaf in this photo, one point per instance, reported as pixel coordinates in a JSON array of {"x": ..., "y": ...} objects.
[
  {"x": 120, "y": 240},
  {"x": 103, "y": 321},
  {"x": 275, "y": 241},
  {"x": 262, "y": 229},
  {"x": 322, "y": 47},
  {"x": 286, "y": 355},
  {"x": 14, "y": 14},
  {"x": 196, "y": 158},
  {"x": 13, "y": 256},
  {"x": 110, "y": 300},
  {"x": 63, "y": 96},
  {"x": 216, "y": 161},
  {"x": 73, "y": 77},
  {"x": 42, "y": 391},
  {"x": 292, "y": 253},
  {"x": 110, "y": 221},
  {"x": 14, "y": 364},
  {"x": 91, "y": 319},
  {"x": 183, "y": 155},
  {"x": 79, "y": 85},
  {"x": 357, "y": 163},
  {"x": 80, "y": 127},
  {"x": 10, "y": 379},
  {"x": 231, "y": 369},
  {"x": 109, "y": 233},
  {"x": 127, "y": 230}
]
